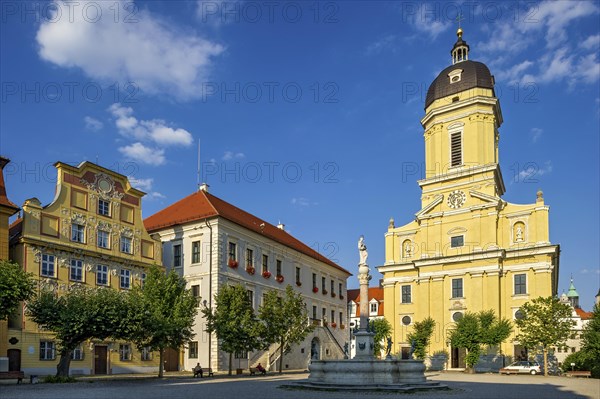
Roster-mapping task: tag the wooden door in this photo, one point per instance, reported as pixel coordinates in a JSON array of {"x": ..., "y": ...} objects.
[
  {"x": 100, "y": 359},
  {"x": 171, "y": 359},
  {"x": 14, "y": 359}
]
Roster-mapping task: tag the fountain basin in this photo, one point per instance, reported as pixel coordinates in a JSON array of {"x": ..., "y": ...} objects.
[{"x": 366, "y": 372}]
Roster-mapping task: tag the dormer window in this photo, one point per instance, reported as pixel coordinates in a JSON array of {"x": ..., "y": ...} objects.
[
  {"x": 373, "y": 308},
  {"x": 455, "y": 76}
]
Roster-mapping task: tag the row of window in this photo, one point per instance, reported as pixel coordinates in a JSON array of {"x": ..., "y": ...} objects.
[
  {"x": 519, "y": 288},
  {"x": 324, "y": 315},
  {"x": 48, "y": 352},
  {"x": 178, "y": 254},
  {"x": 102, "y": 238},
  {"x": 103, "y": 208},
  {"x": 48, "y": 269}
]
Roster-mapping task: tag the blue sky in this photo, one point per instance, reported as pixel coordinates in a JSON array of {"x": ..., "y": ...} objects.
[{"x": 307, "y": 112}]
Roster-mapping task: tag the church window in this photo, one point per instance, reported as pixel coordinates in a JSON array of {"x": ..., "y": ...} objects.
[
  {"x": 406, "y": 294},
  {"x": 456, "y": 316},
  {"x": 456, "y": 149},
  {"x": 457, "y": 288},
  {"x": 457, "y": 241},
  {"x": 520, "y": 284}
]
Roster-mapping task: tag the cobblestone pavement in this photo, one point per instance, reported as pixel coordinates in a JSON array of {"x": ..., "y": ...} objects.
[{"x": 468, "y": 386}]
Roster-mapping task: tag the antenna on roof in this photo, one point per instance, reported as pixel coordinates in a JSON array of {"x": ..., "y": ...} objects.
[{"x": 200, "y": 186}]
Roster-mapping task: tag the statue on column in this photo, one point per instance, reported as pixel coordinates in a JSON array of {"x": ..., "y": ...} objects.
[{"x": 362, "y": 250}]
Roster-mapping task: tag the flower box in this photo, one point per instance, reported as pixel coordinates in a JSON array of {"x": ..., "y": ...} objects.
[
  {"x": 266, "y": 274},
  {"x": 315, "y": 289},
  {"x": 325, "y": 292},
  {"x": 279, "y": 278},
  {"x": 251, "y": 270},
  {"x": 333, "y": 294},
  {"x": 299, "y": 283},
  {"x": 342, "y": 326},
  {"x": 232, "y": 263},
  {"x": 341, "y": 297},
  {"x": 333, "y": 325}
]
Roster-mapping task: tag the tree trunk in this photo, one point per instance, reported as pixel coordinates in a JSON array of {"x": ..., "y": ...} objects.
[
  {"x": 230, "y": 361},
  {"x": 545, "y": 351},
  {"x": 62, "y": 368},
  {"x": 161, "y": 364},
  {"x": 281, "y": 357}
]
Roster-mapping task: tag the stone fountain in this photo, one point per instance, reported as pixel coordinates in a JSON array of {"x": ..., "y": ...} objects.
[{"x": 364, "y": 371}]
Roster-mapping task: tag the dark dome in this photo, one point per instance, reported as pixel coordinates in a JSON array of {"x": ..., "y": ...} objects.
[{"x": 474, "y": 74}]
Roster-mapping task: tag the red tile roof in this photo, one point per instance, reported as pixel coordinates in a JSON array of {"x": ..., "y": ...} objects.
[
  {"x": 202, "y": 205},
  {"x": 583, "y": 314},
  {"x": 4, "y": 201},
  {"x": 374, "y": 293}
]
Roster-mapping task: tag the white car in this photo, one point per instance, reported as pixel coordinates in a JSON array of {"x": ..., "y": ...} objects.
[{"x": 522, "y": 367}]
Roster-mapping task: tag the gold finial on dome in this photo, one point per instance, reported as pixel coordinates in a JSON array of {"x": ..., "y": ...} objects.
[{"x": 459, "y": 33}]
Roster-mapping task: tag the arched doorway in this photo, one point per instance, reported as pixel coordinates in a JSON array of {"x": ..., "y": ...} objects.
[{"x": 315, "y": 349}]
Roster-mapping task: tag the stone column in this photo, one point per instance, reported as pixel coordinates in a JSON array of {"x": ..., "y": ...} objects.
[{"x": 364, "y": 338}]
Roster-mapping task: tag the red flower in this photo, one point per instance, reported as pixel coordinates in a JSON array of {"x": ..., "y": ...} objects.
[
  {"x": 232, "y": 263},
  {"x": 279, "y": 278},
  {"x": 333, "y": 325},
  {"x": 325, "y": 292},
  {"x": 315, "y": 289},
  {"x": 266, "y": 274},
  {"x": 250, "y": 270},
  {"x": 298, "y": 283}
]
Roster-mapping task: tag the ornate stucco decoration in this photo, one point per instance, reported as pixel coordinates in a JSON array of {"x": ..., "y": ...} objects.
[{"x": 104, "y": 186}]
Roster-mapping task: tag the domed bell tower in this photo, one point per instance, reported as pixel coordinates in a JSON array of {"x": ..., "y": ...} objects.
[{"x": 462, "y": 117}]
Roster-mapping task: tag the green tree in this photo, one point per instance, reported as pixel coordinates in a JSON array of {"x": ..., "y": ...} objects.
[
  {"x": 580, "y": 360},
  {"x": 80, "y": 314},
  {"x": 383, "y": 330},
  {"x": 476, "y": 330},
  {"x": 545, "y": 322},
  {"x": 420, "y": 336},
  {"x": 162, "y": 313},
  {"x": 15, "y": 286},
  {"x": 284, "y": 320},
  {"x": 233, "y": 321},
  {"x": 590, "y": 338}
]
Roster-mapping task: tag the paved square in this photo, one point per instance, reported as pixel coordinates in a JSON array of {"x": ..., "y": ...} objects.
[{"x": 182, "y": 387}]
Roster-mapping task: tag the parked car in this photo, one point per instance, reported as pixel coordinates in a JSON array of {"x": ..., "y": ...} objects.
[{"x": 522, "y": 367}]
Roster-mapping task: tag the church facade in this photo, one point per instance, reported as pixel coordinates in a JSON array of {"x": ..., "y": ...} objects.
[{"x": 466, "y": 249}]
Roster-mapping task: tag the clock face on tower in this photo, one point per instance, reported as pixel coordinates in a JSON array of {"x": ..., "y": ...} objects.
[{"x": 456, "y": 199}]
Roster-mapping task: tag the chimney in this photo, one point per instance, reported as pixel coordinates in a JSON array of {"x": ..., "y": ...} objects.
[{"x": 203, "y": 187}]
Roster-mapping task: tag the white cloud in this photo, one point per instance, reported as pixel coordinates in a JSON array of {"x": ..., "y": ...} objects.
[
  {"x": 156, "y": 195},
  {"x": 591, "y": 43},
  {"x": 300, "y": 201},
  {"x": 139, "y": 152},
  {"x": 154, "y": 130},
  {"x": 229, "y": 155},
  {"x": 155, "y": 55},
  {"x": 427, "y": 22},
  {"x": 381, "y": 45},
  {"x": 586, "y": 271},
  {"x": 536, "y": 133},
  {"x": 141, "y": 184},
  {"x": 92, "y": 124},
  {"x": 560, "y": 60},
  {"x": 532, "y": 171}
]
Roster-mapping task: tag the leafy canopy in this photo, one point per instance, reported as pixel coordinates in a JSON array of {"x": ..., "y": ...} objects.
[
  {"x": 545, "y": 322},
  {"x": 161, "y": 312},
  {"x": 420, "y": 336},
  {"x": 284, "y": 320},
  {"x": 476, "y": 330},
  {"x": 80, "y": 314},
  {"x": 15, "y": 286},
  {"x": 383, "y": 329},
  {"x": 233, "y": 320}
]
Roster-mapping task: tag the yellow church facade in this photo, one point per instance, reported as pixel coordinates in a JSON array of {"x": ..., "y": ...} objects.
[
  {"x": 91, "y": 234},
  {"x": 467, "y": 249}
]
